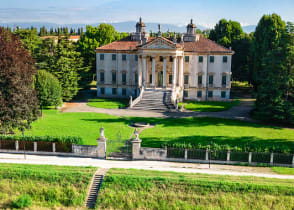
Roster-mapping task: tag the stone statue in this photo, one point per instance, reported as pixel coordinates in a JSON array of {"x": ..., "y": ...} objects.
[{"x": 136, "y": 133}]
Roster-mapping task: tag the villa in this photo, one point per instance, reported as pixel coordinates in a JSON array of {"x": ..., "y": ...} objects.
[{"x": 190, "y": 67}]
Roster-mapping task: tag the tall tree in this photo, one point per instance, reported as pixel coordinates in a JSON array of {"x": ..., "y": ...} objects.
[
  {"x": 18, "y": 101},
  {"x": 48, "y": 89},
  {"x": 273, "y": 70}
]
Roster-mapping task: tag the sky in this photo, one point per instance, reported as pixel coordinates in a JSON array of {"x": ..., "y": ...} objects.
[{"x": 204, "y": 12}]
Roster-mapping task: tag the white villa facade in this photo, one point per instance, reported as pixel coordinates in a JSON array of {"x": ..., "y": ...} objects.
[{"x": 192, "y": 67}]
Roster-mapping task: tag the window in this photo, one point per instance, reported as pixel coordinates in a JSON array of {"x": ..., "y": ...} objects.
[
  {"x": 210, "y": 94},
  {"x": 223, "y": 94},
  {"x": 211, "y": 59},
  {"x": 210, "y": 79},
  {"x": 200, "y": 59},
  {"x": 136, "y": 57},
  {"x": 113, "y": 57},
  {"x": 187, "y": 58},
  {"x": 113, "y": 77},
  {"x": 224, "y": 80},
  {"x": 124, "y": 92},
  {"x": 225, "y": 59},
  {"x": 161, "y": 59},
  {"x": 124, "y": 78},
  {"x": 113, "y": 91},
  {"x": 170, "y": 79},
  {"x": 186, "y": 79},
  {"x": 102, "y": 91},
  {"x": 101, "y": 57},
  {"x": 199, "y": 94},
  {"x": 136, "y": 78},
  {"x": 150, "y": 78},
  {"x": 185, "y": 93},
  {"x": 101, "y": 76},
  {"x": 199, "y": 79},
  {"x": 124, "y": 57},
  {"x": 171, "y": 59}
]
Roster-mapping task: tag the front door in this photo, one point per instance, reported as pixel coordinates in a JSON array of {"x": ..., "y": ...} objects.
[{"x": 160, "y": 79}]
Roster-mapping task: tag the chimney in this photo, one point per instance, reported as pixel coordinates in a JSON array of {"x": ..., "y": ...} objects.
[{"x": 182, "y": 38}]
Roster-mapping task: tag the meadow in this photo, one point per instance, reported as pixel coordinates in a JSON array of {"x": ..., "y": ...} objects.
[
  {"x": 208, "y": 106},
  {"x": 47, "y": 186},
  {"x": 172, "y": 130},
  {"x": 141, "y": 189},
  {"x": 108, "y": 103}
]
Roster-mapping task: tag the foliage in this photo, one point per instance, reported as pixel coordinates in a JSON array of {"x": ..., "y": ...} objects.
[
  {"x": 208, "y": 106},
  {"x": 48, "y": 89},
  {"x": 172, "y": 190},
  {"x": 18, "y": 100},
  {"x": 22, "y": 202},
  {"x": 274, "y": 70},
  {"x": 108, "y": 103},
  {"x": 48, "y": 186},
  {"x": 63, "y": 139}
]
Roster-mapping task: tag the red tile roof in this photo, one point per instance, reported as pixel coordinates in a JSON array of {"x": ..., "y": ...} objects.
[{"x": 203, "y": 45}]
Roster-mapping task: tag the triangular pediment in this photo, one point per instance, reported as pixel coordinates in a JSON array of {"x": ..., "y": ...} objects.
[{"x": 159, "y": 43}]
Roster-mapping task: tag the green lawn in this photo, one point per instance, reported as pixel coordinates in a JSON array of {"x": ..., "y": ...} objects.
[
  {"x": 282, "y": 170},
  {"x": 142, "y": 189},
  {"x": 188, "y": 130},
  {"x": 48, "y": 186},
  {"x": 108, "y": 103},
  {"x": 208, "y": 106}
]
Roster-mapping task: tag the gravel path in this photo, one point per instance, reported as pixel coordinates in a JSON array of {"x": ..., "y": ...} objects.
[
  {"x": 147, "y": 165},
  {"x": 240, "y": 112}
]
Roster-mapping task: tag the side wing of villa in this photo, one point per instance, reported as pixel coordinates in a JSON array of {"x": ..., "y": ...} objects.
[{"x": 192, "y": 67}]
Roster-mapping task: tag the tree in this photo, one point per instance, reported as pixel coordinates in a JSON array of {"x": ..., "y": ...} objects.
[
  {"x": 274, "y": 70},
  {"x": 18, "y": 100},
  {"x": 48, "y": 89}
]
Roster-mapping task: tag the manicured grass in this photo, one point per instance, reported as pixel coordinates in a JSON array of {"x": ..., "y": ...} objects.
[
  {"x": 108, "y": 103},
  {"x": 208, "y": 106},
  {"x": 180, "y": 130},
  {"x": 48, "y": 186},
  {"x": 282, "y": 170},
  {"x": 142, "y": 189}
]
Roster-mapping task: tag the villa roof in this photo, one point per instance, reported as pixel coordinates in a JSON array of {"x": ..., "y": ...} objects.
[{"x": 203, "y": 45}]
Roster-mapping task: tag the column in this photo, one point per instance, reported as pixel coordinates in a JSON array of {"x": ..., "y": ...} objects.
[
  {"x": 144, "y": 71},
  {"x": 174, "y": 71},
  {"x": 139, "y": 71},
  {"x": 181, "y": 74},
  {"x": 164, "y": 72},
  {"x": 153, "y": 70}
]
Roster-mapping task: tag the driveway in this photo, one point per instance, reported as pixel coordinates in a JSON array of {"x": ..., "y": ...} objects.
[{"x": 146, "y": 165}]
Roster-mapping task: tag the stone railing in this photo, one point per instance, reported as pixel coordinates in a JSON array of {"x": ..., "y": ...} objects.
[{"x": 134, "y": 102}]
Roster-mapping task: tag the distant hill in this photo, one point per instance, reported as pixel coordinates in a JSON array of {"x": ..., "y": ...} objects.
[{"x": 128, "y": 26}]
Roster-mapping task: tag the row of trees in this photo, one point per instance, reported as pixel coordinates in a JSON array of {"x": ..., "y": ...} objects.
[{"x": 60, "y": 31}]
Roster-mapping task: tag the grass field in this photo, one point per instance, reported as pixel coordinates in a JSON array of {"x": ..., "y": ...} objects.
[
  {"x": 48, "y": 186},
  {"x": 188, "y": 130},
  {"x": 282, "y": 170},
  {"x": 208, "y": 106},
  {"x": 139, "y": 189},
  {"x": 108, "y": 103}
]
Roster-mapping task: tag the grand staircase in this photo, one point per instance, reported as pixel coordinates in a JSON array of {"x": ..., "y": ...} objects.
[
  {"x": 94, "y": 188},
  {"x": 155, "y": 100}
]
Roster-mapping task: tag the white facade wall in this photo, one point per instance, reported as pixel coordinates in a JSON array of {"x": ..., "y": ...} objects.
[{"x": 193, "y": 68}]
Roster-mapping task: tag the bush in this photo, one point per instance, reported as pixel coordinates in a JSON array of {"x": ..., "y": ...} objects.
[
  {"x": 22, "y": 201},
  {"x": 62, "y": 139}
]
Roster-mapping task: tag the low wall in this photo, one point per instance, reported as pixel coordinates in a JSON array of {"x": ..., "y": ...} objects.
[{"x": 152, "y": 153}]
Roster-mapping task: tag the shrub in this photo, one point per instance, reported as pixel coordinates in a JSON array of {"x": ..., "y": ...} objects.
[
  {"x": 62, "y": 139},
  {"x": 22, "y": 201}
]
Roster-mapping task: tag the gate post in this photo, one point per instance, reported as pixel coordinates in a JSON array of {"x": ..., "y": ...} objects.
[
  {"x": 101, "y": 148},
  {"x": 136, "y": 146}
]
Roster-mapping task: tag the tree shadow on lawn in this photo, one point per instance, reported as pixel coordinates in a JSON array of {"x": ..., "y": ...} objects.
[
  {"x": 245, "y": 141},
  {"x": 184, "y": 122}
]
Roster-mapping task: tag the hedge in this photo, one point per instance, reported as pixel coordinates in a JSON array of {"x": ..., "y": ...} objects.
[
  {"x": 61, "y": 139},
  {"x": 249, "y": 147}
]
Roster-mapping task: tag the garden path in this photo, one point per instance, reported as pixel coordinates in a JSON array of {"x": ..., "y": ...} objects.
[
  {"x": 239, "y": 112},
  {"x": 146, "y": 165}
]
